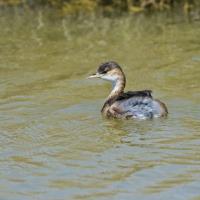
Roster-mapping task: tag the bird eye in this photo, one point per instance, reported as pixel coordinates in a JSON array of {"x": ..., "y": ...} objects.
[{"x": 104, "y": 72}]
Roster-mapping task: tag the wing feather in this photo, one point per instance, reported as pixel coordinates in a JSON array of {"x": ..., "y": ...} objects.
[{"x": 130, "y": 94}]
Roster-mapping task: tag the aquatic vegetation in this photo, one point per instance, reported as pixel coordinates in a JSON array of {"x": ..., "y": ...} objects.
[{"x": 66, "y": 7}]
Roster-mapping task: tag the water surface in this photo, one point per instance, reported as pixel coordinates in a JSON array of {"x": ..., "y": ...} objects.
[{"x": 54, "y": 142}]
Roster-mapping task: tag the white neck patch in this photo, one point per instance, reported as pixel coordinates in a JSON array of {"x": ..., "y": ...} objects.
[
  {"x": 115, "y": 80},
  {"x": 112, "y": 78}
]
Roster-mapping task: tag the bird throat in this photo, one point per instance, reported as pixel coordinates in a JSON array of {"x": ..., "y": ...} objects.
[{"x": 117, "y": 89}]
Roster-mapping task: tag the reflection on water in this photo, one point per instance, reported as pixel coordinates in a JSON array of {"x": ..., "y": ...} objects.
[{"x": 55, "y": 144}]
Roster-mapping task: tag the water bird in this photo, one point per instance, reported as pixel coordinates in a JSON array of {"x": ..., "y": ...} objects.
[{"x": 127, "y": 105}]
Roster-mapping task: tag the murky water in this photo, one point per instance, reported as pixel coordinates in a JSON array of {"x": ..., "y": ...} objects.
[{"x": 54, "y": 143}]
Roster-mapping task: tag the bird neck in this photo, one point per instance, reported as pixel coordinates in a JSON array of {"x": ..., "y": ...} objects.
[{"x": 117, "y": 89}]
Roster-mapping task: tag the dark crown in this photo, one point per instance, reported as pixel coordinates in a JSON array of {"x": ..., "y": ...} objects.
[{"x": 107, "y": 66}]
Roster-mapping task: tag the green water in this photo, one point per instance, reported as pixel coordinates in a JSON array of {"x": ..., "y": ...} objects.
[{"x": 54, "y": 143}]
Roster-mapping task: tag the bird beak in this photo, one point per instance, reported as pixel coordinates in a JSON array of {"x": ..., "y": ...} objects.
[{"x": 97, "y": 75}]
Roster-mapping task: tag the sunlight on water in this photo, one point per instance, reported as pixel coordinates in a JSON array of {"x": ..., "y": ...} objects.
[{"x": 55, "y": 144}]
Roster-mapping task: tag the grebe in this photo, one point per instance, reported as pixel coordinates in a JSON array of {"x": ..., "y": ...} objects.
[{"x": 127, "y": 105}]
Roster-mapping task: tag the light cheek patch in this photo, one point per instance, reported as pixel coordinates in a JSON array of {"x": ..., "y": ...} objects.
[{"x": 112, "y": 78}]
